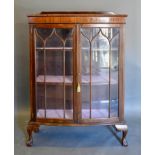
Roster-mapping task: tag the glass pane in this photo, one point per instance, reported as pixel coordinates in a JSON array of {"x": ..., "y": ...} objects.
[
  {"x": 69, "y": 43},
  {"x": 68, "y": 85},
  {"x": 110, "y": 32},
  {"x": 54, "y": 62},
  {"x": 89, "y": 34},
  {"x": 54, "y": 73},
  {"x": 54, "y": 101},
  {"x": 85, "y": 79},
  {"x": 44, "y": 33},
  {"x": 114, "y": 31},
  {"x": 40, "y": 98},
  {"x": 106, "y": 32},
  {"x": 114, "y": 76},
  {"x": 54, "y": 40},
  {"x": 68, "y": 102},
  {"x": 39, "y": 42},
  {"x": 64, "y": 33},
  {"x": 40, "y": 88},
  {"x": 99, "y": 67},
  {"x": 100, "y": 76},
  {"x": 54, "y": 90}
]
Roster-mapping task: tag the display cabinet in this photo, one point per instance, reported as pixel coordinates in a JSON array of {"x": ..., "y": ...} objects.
[{"x": 76, "y": 70}]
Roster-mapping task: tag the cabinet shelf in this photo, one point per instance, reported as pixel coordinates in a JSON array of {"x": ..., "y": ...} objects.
[
  {"x": 96, "y": 80},
  {"x": 70, "y": 48},
  {"x": 100, "y": 49},
  {"x": 54, "y": 79},
  {"x": 59, "y": 113},
  {"x": 54, "y": 48}
]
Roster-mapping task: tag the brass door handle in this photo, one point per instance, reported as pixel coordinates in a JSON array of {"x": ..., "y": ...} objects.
[{"x": 78, "y": 88}]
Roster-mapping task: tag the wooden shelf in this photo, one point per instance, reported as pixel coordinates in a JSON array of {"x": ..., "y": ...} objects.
[
  {"x": 56, "y": 113},
  {"x": 96, "y": 79},
  {"x": 54, "y": 79},
  {"x": 100, "y": 49},
  {"x": 70, "y": 48},
  {"x": 54, "y": 48},
  {"x": 59, "y": 113}
]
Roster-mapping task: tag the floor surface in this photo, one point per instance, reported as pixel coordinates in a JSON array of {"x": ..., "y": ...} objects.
[{"x": 92, "y": 140}]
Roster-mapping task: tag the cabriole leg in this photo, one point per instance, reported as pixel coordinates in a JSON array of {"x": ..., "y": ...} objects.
[
  {"x": 31, "y": 128},
  {"x": 124, "y": 130}
]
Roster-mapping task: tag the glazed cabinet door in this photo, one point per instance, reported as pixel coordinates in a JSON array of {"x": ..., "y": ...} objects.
[
  {"x": 100, "y": 49},
  {"x": 54, "y": 74}
]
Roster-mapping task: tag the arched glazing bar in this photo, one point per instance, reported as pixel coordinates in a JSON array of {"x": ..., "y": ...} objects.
[
  {"x": 88, "y": 35},
  {"x": 57, "y": 41}
]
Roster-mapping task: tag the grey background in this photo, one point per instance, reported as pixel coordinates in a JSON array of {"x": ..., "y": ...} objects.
[{"x": 132, "y": 74}]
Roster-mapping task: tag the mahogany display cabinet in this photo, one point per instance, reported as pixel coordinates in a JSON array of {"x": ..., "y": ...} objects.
[{"x": 76, "y": 70}]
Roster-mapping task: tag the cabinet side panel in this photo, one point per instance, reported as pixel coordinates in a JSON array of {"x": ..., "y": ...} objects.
[
  {"x": 32, "y": 74},
  {"x": 121, "y": 75}
]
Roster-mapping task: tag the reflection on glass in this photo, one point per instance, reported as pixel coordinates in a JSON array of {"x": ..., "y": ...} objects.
[
  {"x": 99, "y": 81},
  {"x": 114, "y": 76},
  {"x": 40, "y": 98},
  {"x": 85, "y": 80},
  {"x": 100, "y": 76}
]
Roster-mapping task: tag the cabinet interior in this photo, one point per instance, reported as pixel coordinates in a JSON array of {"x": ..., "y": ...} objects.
[{"x": 54, "y": 61}]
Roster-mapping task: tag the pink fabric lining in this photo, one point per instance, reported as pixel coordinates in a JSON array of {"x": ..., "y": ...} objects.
[
  {"x": 58, "y": 113},
  {"x": 69, "y": 79}
]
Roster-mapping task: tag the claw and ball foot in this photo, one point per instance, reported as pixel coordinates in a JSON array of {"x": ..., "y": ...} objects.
[
  {"x": 37, "y": 130},
  {"x": 124, "y": 129},
  {"x": 31, "y": 128}
]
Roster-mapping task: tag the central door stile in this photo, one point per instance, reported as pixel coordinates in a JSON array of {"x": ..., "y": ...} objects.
[{"x": 77, "y": 78}]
